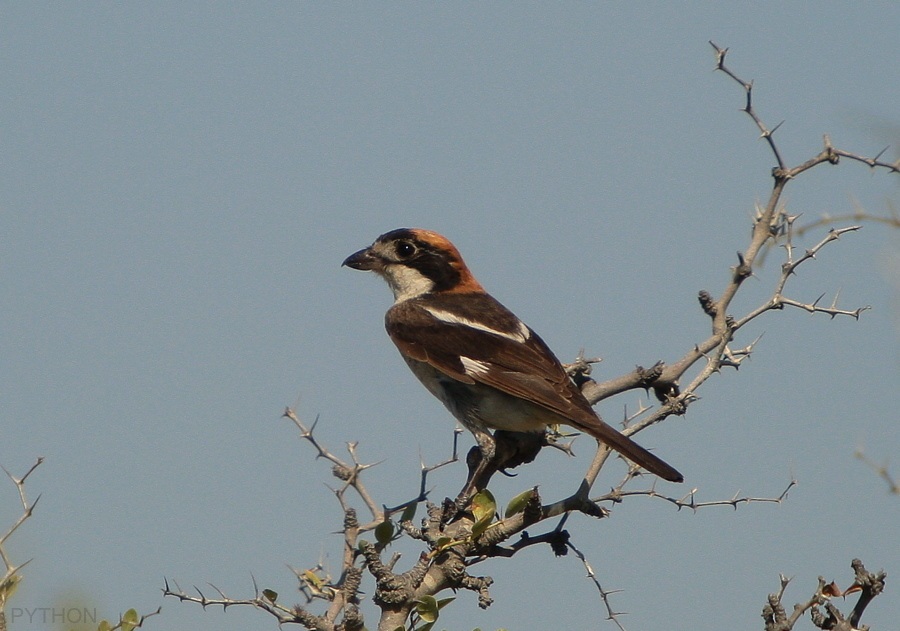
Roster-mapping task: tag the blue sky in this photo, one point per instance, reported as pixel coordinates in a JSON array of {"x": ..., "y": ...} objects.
[{"x": 180, "y": 183}]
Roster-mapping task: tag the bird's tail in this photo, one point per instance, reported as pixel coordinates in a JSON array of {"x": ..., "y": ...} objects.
[{"x": 631, "y": 450}]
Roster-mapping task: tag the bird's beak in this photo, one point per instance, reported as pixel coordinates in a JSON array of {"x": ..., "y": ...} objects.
[{"x": 363, "y": 260}]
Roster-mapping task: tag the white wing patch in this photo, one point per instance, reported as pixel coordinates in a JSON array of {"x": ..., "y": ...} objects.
[
  {"x": 521, "y": 334},
  {"x": 473, "y": 366}
]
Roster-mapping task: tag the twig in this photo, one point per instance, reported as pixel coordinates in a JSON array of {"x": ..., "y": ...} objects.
[
  {"x": 265, "y": 601},
  {"x": 344, "y": 471},
  {"x": 611, "y": 614},
  {"x": 858, "y": 216},
  {"x": 689, "y": 500},
  {"x": 881, "y": 470},
  {"x": 134, "y": 624},
  {"x": 11, "y": 575},
  {"x": 423, "y": 477},
  {"x": 764, "y": 131}
]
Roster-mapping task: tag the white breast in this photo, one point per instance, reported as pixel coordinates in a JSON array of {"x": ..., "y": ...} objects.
[{"x": 479, "y": 407}]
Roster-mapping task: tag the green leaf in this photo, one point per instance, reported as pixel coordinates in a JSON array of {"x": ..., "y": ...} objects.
[
  {"x": 310, "y": 577},
  {"x": 409, "y": 512},
  {"x": 427, "y": 608},
  {"x": 384, "y": 532},
  {"x": 442, "y": 543},
  {"x": 103, "y": 626},
  {"x": 271, "y": 595},
  {"x": 443, "y": 602},
  {"x": 518, "y": 503},
  {"x": 484, "y": 506},
  {"x": 130, "y": 620}
]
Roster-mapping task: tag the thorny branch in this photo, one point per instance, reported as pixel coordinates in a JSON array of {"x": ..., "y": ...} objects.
[
  {"x": 11, "y": 571},
  {"x": 347, "y": 472},
  {"x": 867, "y": 584},
  {"x": 133, "y": 620},
  {"x": 425, "y": 469},
  {"x": 264, "y": 601},
  {"x": 771, "y": 222},
  {"x": 859, "y": 216},
  {"x": 456, "y": 541},
  {"x": 12, "y": 576},
  {"x": 611, "y": 614},
  {"x": 689, "y": 500}
]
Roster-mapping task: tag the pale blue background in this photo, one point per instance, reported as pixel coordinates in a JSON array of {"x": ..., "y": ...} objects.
[{"x": 180, "y": 183}]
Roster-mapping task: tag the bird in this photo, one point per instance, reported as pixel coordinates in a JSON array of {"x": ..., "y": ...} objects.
[{"x": 488, "y": 368}]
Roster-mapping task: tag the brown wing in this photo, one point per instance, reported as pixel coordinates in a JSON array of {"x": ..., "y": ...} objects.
[
  {"x": 524, "y": 368},
  {"x": 519, "y": 365}
]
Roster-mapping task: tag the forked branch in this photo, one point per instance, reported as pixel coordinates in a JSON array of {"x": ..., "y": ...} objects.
[{"x": 770, "y": 224}]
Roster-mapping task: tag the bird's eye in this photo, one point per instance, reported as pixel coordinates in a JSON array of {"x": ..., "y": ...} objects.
[{"x": 405, "y": 249}]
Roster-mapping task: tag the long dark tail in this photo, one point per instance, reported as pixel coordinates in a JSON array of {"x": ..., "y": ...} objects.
[{"x": 631, "y": 450}]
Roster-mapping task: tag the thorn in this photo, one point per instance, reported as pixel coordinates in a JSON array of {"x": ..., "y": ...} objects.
[
  {"x": 836, "y": 296},
  {"x": 754, "y": 342},
  {"x": 816, "y": 303}
]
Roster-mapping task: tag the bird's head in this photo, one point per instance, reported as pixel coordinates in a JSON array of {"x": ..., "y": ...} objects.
[{"x": 415, "y": 262}]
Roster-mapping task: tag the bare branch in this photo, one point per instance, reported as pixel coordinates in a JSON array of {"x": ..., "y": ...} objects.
[
  {"x": 771, "y": 222},
  {"x": 689, "y": 500},
  {"x": 262, "y": 601},
  {"x": 11, "y": 576},
  {"x": 764, "y": 132},
  {"x": 344, "y": 471},
  {"x": 425, "y": 470},
  {"x": 881, "y": 470},
  {"x": 134, "y": 624},
  {"x": 611, "y": 614}
]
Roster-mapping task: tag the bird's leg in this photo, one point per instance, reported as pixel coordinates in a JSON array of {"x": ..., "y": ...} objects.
[
  {"x": 479, "y": 460},
  {"x": 504, "y": 450}
]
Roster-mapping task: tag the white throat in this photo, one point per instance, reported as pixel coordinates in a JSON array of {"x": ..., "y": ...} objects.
[{"x": 406, "y": 282}]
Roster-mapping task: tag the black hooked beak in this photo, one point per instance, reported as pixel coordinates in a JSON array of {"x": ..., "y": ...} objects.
[{"x": 363, "y": 260}]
